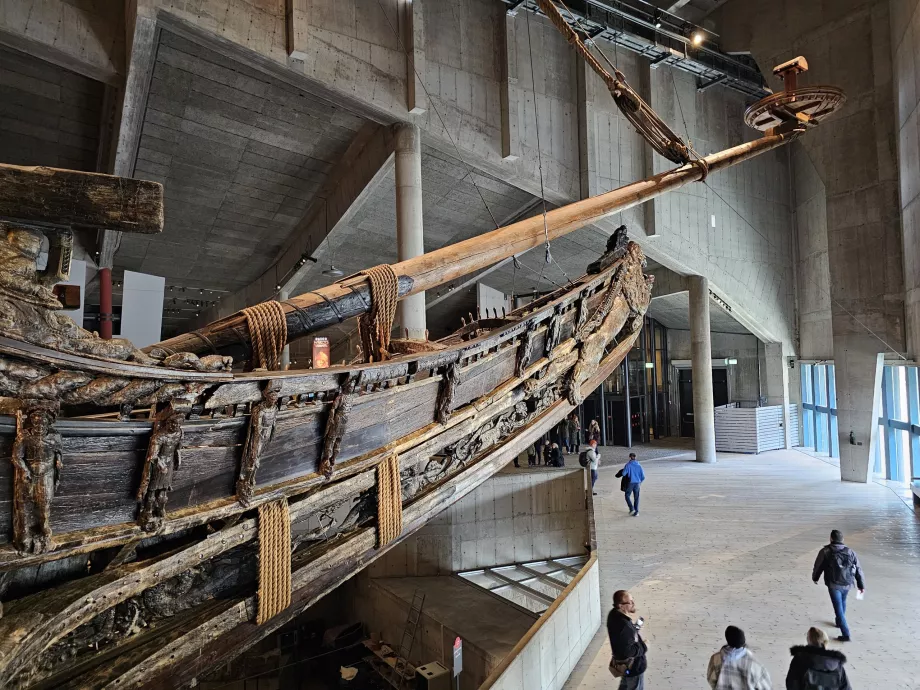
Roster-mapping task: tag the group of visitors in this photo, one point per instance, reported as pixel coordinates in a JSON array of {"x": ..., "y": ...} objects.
[{"x": 734, "y": 666}]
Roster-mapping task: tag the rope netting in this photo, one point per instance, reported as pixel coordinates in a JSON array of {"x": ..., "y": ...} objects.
[
  {"x": 267, "y": 326},
  {"x": 376, "y": 326},
  {"x": 274, "y": 594}
]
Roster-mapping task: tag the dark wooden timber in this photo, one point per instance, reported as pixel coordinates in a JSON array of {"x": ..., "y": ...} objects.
[
  {"x": 231, "y": 630},
  {"x": 50, "y": 197},
  {"x": 349, "y": 297}
]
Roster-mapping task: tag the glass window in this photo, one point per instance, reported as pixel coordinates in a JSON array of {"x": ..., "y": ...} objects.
[
  {"x": 820, "y": 396},
  {"x": 807, "y": 383}
]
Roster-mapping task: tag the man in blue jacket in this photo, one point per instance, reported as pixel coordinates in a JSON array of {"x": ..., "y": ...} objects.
[{"x": 633, "y": 476}]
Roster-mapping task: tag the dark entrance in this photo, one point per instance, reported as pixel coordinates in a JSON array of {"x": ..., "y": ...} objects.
[{"x": 685, "y": 394}]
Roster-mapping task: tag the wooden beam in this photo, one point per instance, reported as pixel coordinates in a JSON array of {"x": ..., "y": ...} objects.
[
  {"x": 350, "y": 297},
  {"x": 68, "y": 198},
  {"x": 296, "y": 28}
]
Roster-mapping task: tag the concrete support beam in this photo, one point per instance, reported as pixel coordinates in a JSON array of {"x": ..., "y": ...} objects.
[
  {"x": 412, "y": 30},
  {"x": 587, "y": 136},
  {"x": 776, "y": 382},
  {"x": 85, "y": 38},
  {"x": 704, "y": 427},
  {"x": 858, "y": 363},
  {"x": 295, "y": 28},
  {"x": 410, "y": 237},
  {"x": 367, "y": 161},
  {"x": 141, "y": 38},
  {"x": 508, "y": 97}
]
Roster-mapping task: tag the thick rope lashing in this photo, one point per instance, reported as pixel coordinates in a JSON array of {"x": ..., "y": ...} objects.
[
  {"x": 267, "y": 326},
  {"x": 274, "y": 594},
  {"x": 640, "y": 114},
  {"x": 389, "y": 501},
  {"x": 376, "y": 326}
]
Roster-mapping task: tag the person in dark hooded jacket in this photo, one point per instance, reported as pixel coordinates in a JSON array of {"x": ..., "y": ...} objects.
[{"x": 814, "y": 666}]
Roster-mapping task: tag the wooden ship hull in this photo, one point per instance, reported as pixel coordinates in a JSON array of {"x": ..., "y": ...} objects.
[{"x": 140, "y": 551}]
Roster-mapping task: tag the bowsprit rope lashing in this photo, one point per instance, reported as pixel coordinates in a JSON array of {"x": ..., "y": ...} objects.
[
  {"x": 267, "y": 326},
  {"x": 389, "y": 501},
  {"x": 274, "y": 593},
  {"x": 376, "y": 325},
  {"x": 646, "y": 121}
]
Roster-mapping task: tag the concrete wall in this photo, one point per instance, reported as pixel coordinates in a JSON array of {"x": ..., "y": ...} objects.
[
  {"x": 556, "y": 642},
  {"x": 855, "y": 154},
  {"x": 517, "y": 515},
  {"x": 905, "y": 46},
  {"x": 743, "y": 382},
  {"x": 816, "y": 338}
]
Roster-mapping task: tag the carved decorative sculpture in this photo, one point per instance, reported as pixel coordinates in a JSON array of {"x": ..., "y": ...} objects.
[
  {"x": 162, "y": 459},
  {"x": 446, "y": 393},
  {"x": 335, "y": 426},
  {"x": 261, "y": 427},
  {"x": 37, "y": 464}
]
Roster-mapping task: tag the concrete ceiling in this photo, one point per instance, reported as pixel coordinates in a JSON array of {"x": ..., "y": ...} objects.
[
  {"x": 673, "y": 311},
  {"x": 691, "y": 10},
  {"x": 453, "y": 210},
  {"x": 48, "y": 115},
  {"x": 240, "y": 156}
]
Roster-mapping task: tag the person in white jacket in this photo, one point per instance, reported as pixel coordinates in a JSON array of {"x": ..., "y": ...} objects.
[{"x": 734, "y": 667}]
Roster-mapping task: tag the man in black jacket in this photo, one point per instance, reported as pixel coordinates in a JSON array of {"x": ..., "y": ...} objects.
[
  {"x": 627, "y": 645},
  {"x": 840, "y": 566}
]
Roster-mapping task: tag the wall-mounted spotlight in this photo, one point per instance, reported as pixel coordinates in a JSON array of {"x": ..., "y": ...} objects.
[{"x": 697, "y": 38}]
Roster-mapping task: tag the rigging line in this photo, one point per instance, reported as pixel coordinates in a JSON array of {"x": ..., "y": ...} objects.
[
  {"x": 536, "y": 117},
  {"x": 401, "y": 45},
  {"x": 813, "y": 282}
]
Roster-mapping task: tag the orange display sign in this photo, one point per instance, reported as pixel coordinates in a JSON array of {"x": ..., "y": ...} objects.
[{"x": 321, "y": 353}]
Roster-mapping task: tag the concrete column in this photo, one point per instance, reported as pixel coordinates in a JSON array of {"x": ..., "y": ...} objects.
[
  {"x": 286, "y": 351},
  {"x": 410, "y": 239},
  {"x": 776, "y": 383},
  {"x": 704, "y": 426}
]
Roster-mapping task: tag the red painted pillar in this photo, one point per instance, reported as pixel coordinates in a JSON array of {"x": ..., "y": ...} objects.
[{"x": 105, "y": 303}]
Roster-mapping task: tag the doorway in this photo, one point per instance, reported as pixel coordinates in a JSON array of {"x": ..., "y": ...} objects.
[{"x": 685, "y": 396}]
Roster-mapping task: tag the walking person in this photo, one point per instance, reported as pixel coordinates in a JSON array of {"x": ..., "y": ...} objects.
[
  {"x": 574, "y": 433},
  {"x": 594, "y": 431},
  {"x": 734, "y": 667},
  {"x": 815, "y": 666},
  {"x": 841, "y": 568},
  {"x": 591, "y": 460},
  {"x": 626, "y": 644},
  {"x": 632, "y": 476}
]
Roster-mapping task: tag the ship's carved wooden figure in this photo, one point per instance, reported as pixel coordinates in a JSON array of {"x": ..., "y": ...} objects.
[
  {"x": 37, "y": 464},
  {"x": 261, "y": 427},
  {"x": 161, "y": 461}
]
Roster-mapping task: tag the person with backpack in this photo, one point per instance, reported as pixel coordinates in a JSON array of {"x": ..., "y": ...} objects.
[
  {"x": 814, "y": 667},
  {"x": 734, "y": 667},
  {"x": 632, "y": 476},
  {"x": 590, "y": 459},
  {"x": 628, "y": 662},
  {"x": 840, "y": 567}
]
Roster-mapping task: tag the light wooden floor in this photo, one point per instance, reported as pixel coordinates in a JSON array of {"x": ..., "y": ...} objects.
[{"x": 734, "y": 543}]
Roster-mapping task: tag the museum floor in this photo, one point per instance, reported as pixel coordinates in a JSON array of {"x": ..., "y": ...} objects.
[{"x": 734, "y": 543}]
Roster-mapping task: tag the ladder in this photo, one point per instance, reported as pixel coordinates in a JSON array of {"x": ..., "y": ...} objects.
[{"x": 398, "y": 676}]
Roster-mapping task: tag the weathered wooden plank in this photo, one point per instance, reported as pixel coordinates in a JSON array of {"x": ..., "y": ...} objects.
[{"x": 56, "y": 197}]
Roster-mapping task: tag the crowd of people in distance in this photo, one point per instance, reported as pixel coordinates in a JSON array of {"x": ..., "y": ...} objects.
[{"x": 734, "y": 666}]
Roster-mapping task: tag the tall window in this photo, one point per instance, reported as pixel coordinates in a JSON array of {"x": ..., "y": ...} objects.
[
  {"x": 819, "y": 408},
  {"x": 897, "y": 451}
]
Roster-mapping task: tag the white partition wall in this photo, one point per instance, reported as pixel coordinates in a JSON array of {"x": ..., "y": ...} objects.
[{"x": 142, "y": 308}]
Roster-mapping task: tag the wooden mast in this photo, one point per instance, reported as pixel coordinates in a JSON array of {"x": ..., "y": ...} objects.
[{"x": 351, "y": 296}]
